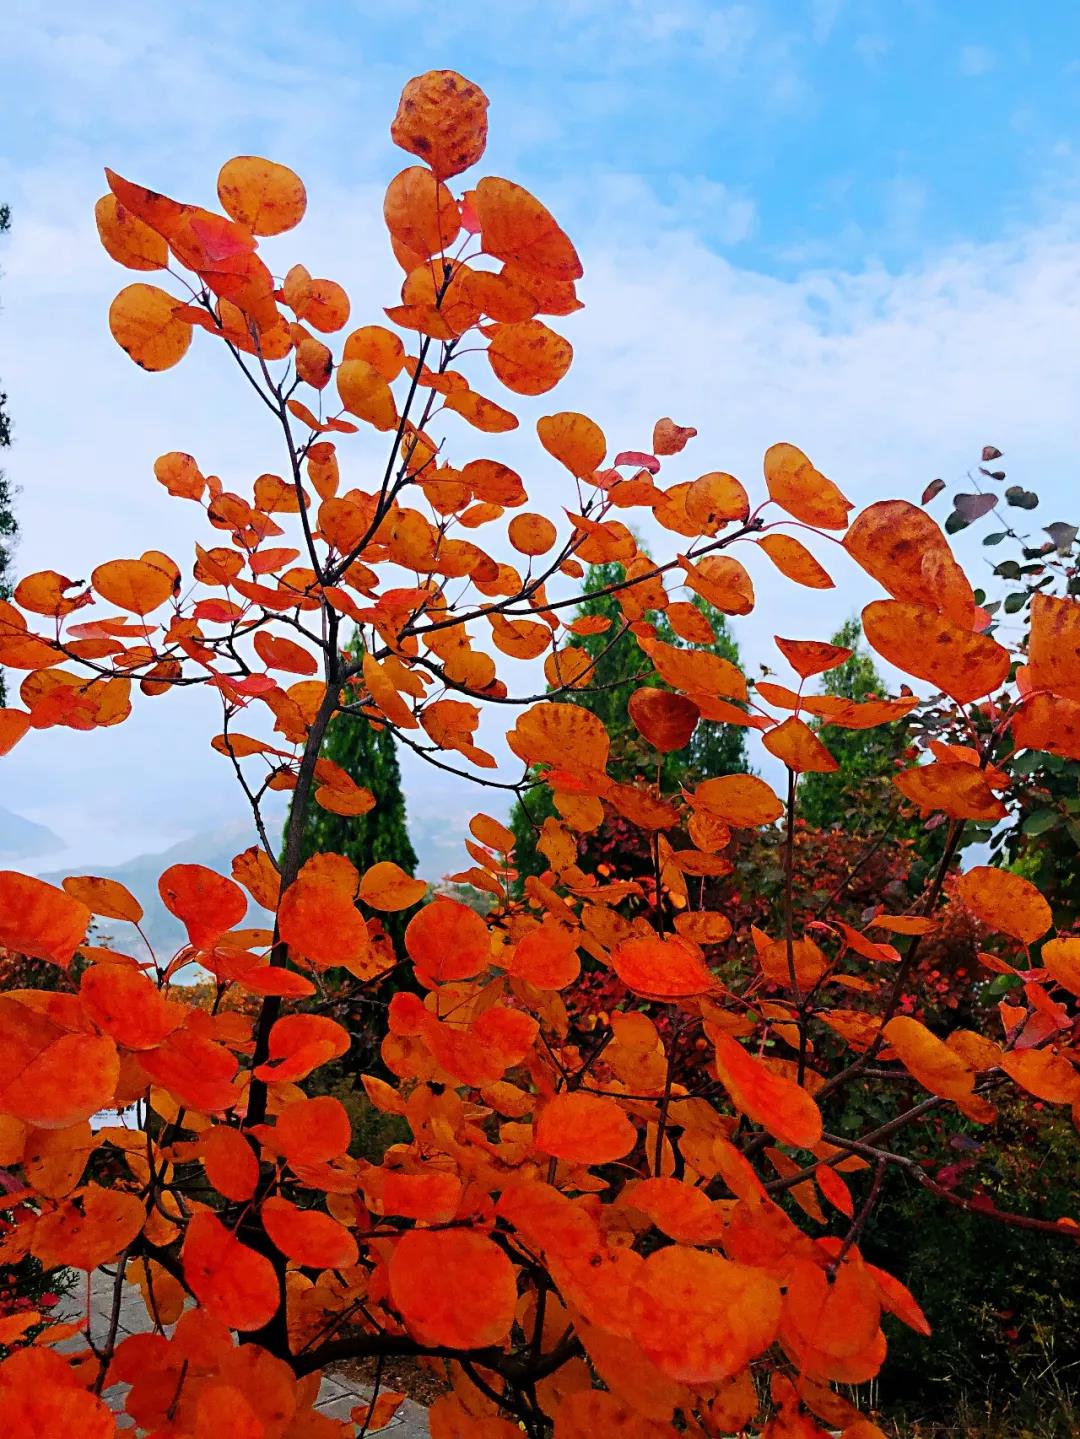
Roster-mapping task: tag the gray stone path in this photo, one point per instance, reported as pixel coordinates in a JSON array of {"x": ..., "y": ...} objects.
[{"x": 338, "y": 1395}]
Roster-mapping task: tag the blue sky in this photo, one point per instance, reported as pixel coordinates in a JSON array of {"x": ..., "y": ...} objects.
[{"x": 852, "y": 224}]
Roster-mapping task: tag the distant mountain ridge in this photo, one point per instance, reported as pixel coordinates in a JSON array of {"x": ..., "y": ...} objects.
[
  {"x": 19, "y": 836},
  {"x": 214, "y": 848},
  {"x": 436, "y": 838}
]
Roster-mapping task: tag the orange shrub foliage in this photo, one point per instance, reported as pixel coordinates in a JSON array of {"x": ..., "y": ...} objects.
[{"x": 581, "y": 1238}]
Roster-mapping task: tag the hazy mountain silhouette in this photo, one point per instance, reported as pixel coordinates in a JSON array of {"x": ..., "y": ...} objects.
[{"x": 24, "y": 837}]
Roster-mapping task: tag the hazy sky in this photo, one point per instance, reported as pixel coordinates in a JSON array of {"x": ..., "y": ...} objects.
[{"x": 847, "y": 224}]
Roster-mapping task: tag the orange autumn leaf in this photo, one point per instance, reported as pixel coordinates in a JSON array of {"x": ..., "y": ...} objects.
[
  {"x": 364, "y": 393},
  {"x": 662, "y": 968},
  {"x": 904, "y": 923},
  {"x": 51, "y": 1078},
  {"x": 442, "y": 117},
  {"x": 128, "y": 1006},
  {"x": 715, "y": 499},
  {"x": 937, "y": 1067},
  {"x": 447, "y": 940},
  {"x": 378, "y": 1413},
  {"x": 574, "y": 440},
  {"x": 722, "y": 581},
  {"x": 931, "y": 647},
  {"x": 13, "y": 725},
  {"x": 433, "y": 1197},
  {"x": 233, "y": 1282},
  {"x": 959, "y": 790},
  {"x": 1054, "y": 650},
  {"x": 255, "y": 871},
  {"x": 803, "y": 491},
  {"x": 531, "y": 534},
  {"x": 90, "y": 1228},
  {"x": 1062, "y": 960},
  {"x": 680, "y": 1211},
  {"x": 584, "y": 1129},
  {"x": 528, "y": 357},
  {"x": 106, "y": 897},
  {"x": 562, "y": 735},
  {"x": 300, "y": 1043},
  {"x": 126, "y": 239},
  {"x": 206, "y": 903},
  {"x": 740, "y": 800},
  {"x": 697, "y": 672},
  {"x": 39, "y": 920},
  {"x": 380, "y": 347},
  {"x": 317, "y": 916},
  {"x": 310, "y": 1130},
  {"x": 144, "y": 322},
  {"x": 838, "y": 1317},
  {"x": 807, "y": 961},
  {"x": 666, "y": 720},
  {"x": 905, "y": 550},
  {"x": 766, "y": 1098},
  {"x": 1046, "y": 1075},
  {"x": 311, "y": 1238},
  {"x": 1047, "y": 722},
  {"x": 224, "y": 1409},
  {"x": 39, "y": 1396},
  {"x": 546, "y": 957},
  {"x": 54, "y": 1160},
  {"x": 517, "y": 228},
  {"x": 797, "y": 746},
  {"x": 492, "y": 833},
  {"x": 278, "y": 653},
  {"x": 793, "y": 559},
  {"x": 230, "y": 1162},
  {"x": 668, "y": 438},
  {"x": 453, "y": 1287},
  {"x": 386, "y": 886},
  {"x": 266, "y": 197},
  {"x": 811, "y": 657},
  {"x": 701, "y": 1318},
  {"x": 835, "y": 1190},
  {"x": 197, "y": 1071},
  {"x": 1006, "y": 902}
]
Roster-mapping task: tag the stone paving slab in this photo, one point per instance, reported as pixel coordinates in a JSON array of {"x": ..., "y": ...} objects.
[{"x": 338, "y": 1395}]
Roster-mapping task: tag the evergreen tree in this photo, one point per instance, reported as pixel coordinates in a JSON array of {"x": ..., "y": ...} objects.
[
  {"x": 8, "y": 527},
  {"x": 369, "y": 756},
  {"x": 620, "y": 668},
  {"x": 861, "y": 791}
]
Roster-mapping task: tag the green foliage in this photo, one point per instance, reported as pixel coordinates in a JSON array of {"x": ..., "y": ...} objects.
[
  {"x": 369, "y": 757},
  {"x": 620, "y": 668},
  {"x": 1006, "y": 1322},
  {"x": 867, "y": 758},
  {"x": 1044, "y": 844},
  {"x": 373, "y": 1130}
]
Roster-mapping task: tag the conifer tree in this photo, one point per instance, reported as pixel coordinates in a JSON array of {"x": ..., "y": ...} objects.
[
  {"x": 619, "y": 668},
  {"x": 369, "y": 756}
]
